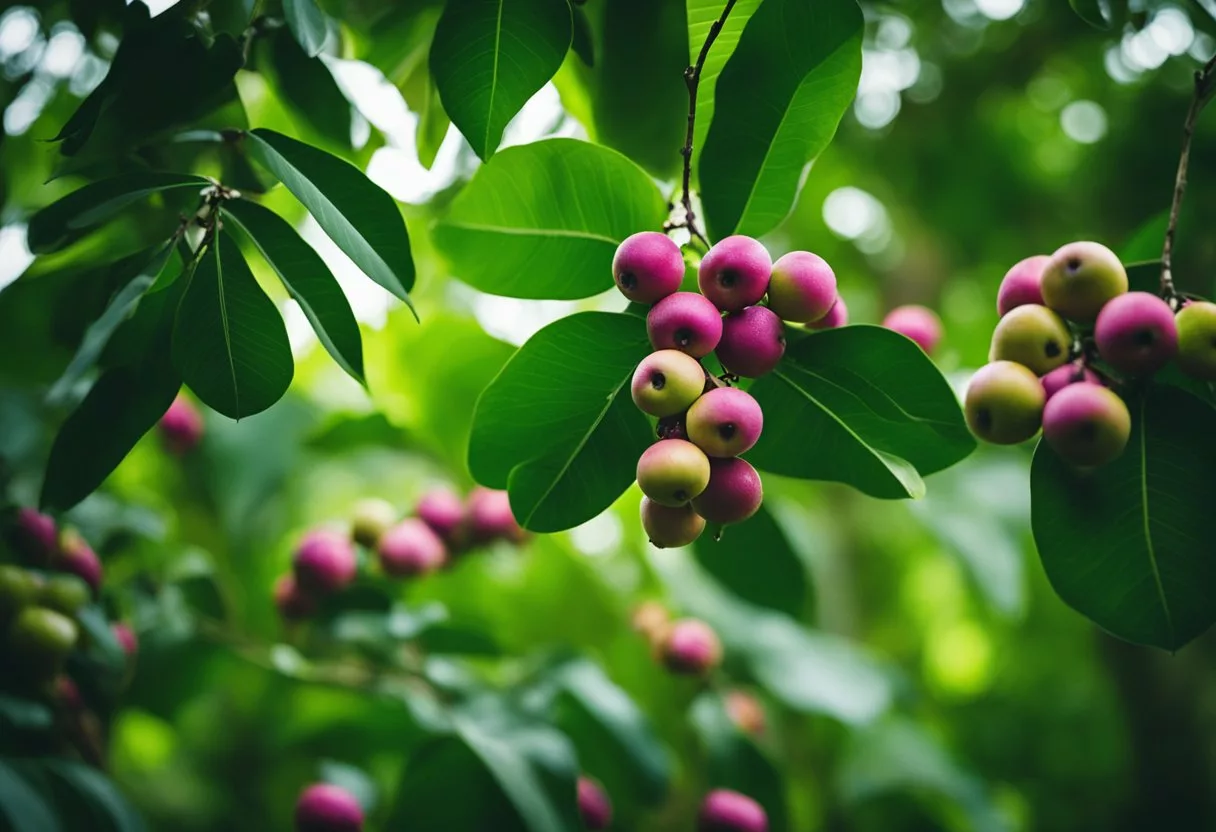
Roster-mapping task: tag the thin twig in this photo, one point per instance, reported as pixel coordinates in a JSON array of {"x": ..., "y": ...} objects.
[
  {"x": 1203, "y": 93},
  {"x": 692, "y": 79}
]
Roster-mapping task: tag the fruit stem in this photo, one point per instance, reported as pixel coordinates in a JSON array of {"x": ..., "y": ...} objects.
[
  {"x": 1204, "y": 90},
  {"x": 692, "y": 79}
]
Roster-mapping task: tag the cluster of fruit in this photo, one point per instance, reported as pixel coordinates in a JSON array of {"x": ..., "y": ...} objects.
[
  {"x": 443, "y": 527},
  {"x": 40, "y": 605},
  {"x": 1069, "y": 330},
  {"x": 693, "y": 474}
]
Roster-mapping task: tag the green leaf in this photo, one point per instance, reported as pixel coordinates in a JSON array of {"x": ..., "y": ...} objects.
[
  {"x": 308, "y": 88},
  {"x": 1145, "y": 244},
  {"x": 543, "y": 220},
  {"x": 90, "y": 799},
  {"x": 150, "y": 264},
  {"x": 557, "y": 427},
  {"x": 230, "y": 344},
  {"x": 308, "y": 280},
  {"x": 701, "y": 16},
  {"x": 778, "y": 102},
  {"x": 18, "y": 714},
  {"x": 307, "y": 22},
  {"x": 78, "y": 213},
  {"x": 860, "y": 405},
  {"x": 21, "y": 806},
  {"x": 755, "y": 561},
  {"x": 1128, "y": 544},
  {"x": 583, "y": 41},
  {"x": 358, "y": 215},
  {"x": 1097, "y": 13},
  {"x": 735, "y": 762},
  {"x": 489, "y": 57},
  {"x": 422, "y": 97}
]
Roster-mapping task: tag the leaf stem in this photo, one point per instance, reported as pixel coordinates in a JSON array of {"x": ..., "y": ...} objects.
[
  {"x": 1205, "y": 87},
  {"x": 692, "y": 80}
]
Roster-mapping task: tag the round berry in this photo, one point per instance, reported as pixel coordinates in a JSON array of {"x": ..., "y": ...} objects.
[
  {"x": 370, "y": 519},
  {"x": 686, "y": 322},
  {"x": 1061, "y": 377},
  {"x": 919, "y": 323},
  {"x": 673, "y": 471},
  {"x": 1136, "y": 333},
  {"x": 35, "y": 535},
  {"x": 725, "y": 421},
  {"x": 292, "y": 602},
  {"x": 181, "y": 427},
  {"x": 324, "y": 562},
  {"x": 490, "y": 517},
  {"x": 1080, "y": 278},
  {"x": 444, "y": 511},
  {"x": 593, "y": 804},
  {"x": 1022, "y": 284},
  {"x": 77, "y": 557},
  {"x": 670, "y": 526},
  {"x": 690, "y": 647},
  {"x": 647, "y": 267},
  {"x": 666, "y": 383},
  {"x": 1004, "y": 403},
  {"x": 410, "y": 548},
  {"x": 1087, "y": 424},
  {"x": 735, "y": 273},
  {"x": 753, "y": 342},
  {"x": 1197, "y": 340},
  {"x": 728, "y": 811},
  {"x": 324, "y": 807},
  {"x": 802, "y": 287},
  {"x": 1034, "y": 337},
  {"x": 837, "y": 317},
  {"x": 734, "y": 492}
]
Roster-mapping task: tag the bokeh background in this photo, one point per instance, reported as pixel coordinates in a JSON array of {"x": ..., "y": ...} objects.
[{"x": 925, "y": 675}]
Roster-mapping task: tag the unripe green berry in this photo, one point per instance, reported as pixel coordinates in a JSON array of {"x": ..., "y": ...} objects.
[
  {"x": 1080, "y": 278},
  {"x": 1197, "y": 340},
  {"x": 41, "y": 639},
  {"x": 669, "y": 526},
  {"x": 65, "y": 593},
  {"x": 1033, "y": 336},
  {"x": 1004, "y": 403},
  {"x": 673, "y": 471},
  {"x": 667, "y": 382}
]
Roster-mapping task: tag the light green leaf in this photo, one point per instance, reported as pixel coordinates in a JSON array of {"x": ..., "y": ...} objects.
[
  {"x": 701, "y": 16},
  {"x": 307, "y": 23}
]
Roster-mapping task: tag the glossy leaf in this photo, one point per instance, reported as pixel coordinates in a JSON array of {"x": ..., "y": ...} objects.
[
  {"x": 73, "y": 216},
  {"x": 230, "y": 344},
  {"x": 308, "y": 88},
  {"x": 307, "y": 23},
  {"x": 765, "y": 132},
  {"x": 755, "y": 561},
  {"x": 489, "y": 57},
  {"x": 557, "y": 427},
  {"x": 358, "y": 215},
  {"x": 543, "y": 220},
  {"x": 701, "y": 16},
  {"x": 860, "y": 405},
  {"x": 22, "y": 808},
  {"x": 422, "y": 96},
  {"x": 308, "y": 280},
  {"x": 1127, "y": 545}
]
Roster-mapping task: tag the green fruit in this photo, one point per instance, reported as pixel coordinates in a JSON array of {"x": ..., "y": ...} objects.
[
  {"x": 41, "y": 639},
  {"x": 668, "y": 526},
  {"x": 1080, "y": 278},
  {"x": 371, "y": 518},
  {"x": 1004, "y": 403},
  {"x": 673, "y": 471},
  {"x": 667, "y": 382},
  {"x": 1197, "y": 340},
  {"x": 1033, "y": 336},
  {"x": 65, "y": 594},
  {"x": 18, "y": 589}
]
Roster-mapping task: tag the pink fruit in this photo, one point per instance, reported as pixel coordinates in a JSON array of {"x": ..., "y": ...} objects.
[
  {"x": 745, "y": 711},
  {"x": 690, "y": 647},
  {"x": 410, "y": 548},
  {"x": 734, "y": 492},
  {"x": 1061, "y": 377},
  {"x": 593, "y": 804},
  {"x": 1136, "y": 333},
  {"x": 1022, "y": 284},
  {"x": 324, "y": 807},
  {"x": 444, "y": 512},
  {"x": 685, "y": 321},
  {"x": 77, "y": 557},
  {"x": 491, "y": 518},
  {"x": 35, "y": 535},
  {"x": 324, "y": 562},
  {"x": 1087, "y": 424},
  {"x": 126, "y": 637},
  {"x": 291, "y": 601},
  {"x": 753, "y": 342},
  {"x": 735, "y": 273},
  {"x": 919, "y": 323},
  {"x": 725, "y": 422},
  {"x": 802, "y": 287},
  {"x": 727, "y": 811},
  {"x": 647, "y": 267},
  {"x": 181, "y": 427},
  {"x": 837, "y": 317}
]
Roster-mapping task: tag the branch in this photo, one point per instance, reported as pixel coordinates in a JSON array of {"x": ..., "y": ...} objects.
[
  {"x": 1205, "y": 86},
  {"x": 692, "y": 79}
]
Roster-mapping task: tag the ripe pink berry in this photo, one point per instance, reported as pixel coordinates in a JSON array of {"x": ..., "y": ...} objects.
[
  {"x": 291, "y": 601},
  {"x": 690, "y": 647},
  {"x": 685, "y": 321},
  {"x": 77, "y": 557},
  {"x": 735, "y": 273},
  {"x": 1087, "y": 424},
  {"x": 324, "y": 562},
  {"x": 727, "y": 811},
  {"x": 1061, "y": 377},
  {"x": 126, "y": 637},
  {"x": 734, "y": 492},
  {"x": 1136, "y": 333},
  {"x": 1022, "y": 284},
  {"x": 35, "y": 535},
  {"x": 324, "y": 807},
  {"x": 648, "y": 267},
  {"x": 919, "y": 323},
  {"x": 593, "y": 804},
  {"x": 837, "y": 317},
  {"x": 443, "y": 510},
  {"x": 725, "y": 421},
  {"x": 181, "y": 427},
  {"x": 802, "y": 287},
  {"x": 753, "y": 342},
  {"x": 410, "y": 548},
  {"x": 491, "y": 518}
]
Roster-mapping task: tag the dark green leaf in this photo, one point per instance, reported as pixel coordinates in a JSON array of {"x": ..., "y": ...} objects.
[
  {"x": 778, "y": 102},
  {"x": 1145, "y": 244},
  {"x": 307, "y": 23},
  {"x": 18, "y": 714},
  {"x": 1097, "y": 13},
  {"x": 122, "y": 306},
  {"x": 735, "y": 762},
  {"x": 358, "y": 215},
  {"x": 22, "y": 808},
  {"x": 90, "y": 799},
  {"x": 701, "y": 16},
  {"x": 308, "y": 88},
  {"x": 81, "y": 211},
  {"x": 558, "y": 427},
  {"x": 308, "y": 280},
  {"x": 230, "y": 344},
  {"x": 543, "y": 220},
  {"x": 755, "y": 561},
  {"x": 489, "y": 57},
  {"x": 860, "y": 405},
  {"x": 1128, "y": 544},
  {"x": 582, "y": 42}
]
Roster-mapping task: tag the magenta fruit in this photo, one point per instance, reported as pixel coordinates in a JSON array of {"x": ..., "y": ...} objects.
[
  {"x": 1087, "y": 424},
  {"x": 490, "y": 517},
  {"x": 181, "y": 427},
  {"x": 647, "y": 267},
  {"x": 593, "y": 804},
  {"x": 919, "y": 323},
  {"x": 1136, "y": 333},
  {"x": 444, "y": 512},
  {"x": 1061, "y": 377},
  {"x": 802, "y": 287},
  {"x": 1022, "y": 284},
  {"x": 728, "y": 811},
  {"x": 324, "y": 807},
  {"x": 292, "y": 602},
  {"x": 735, "y": 273},
  {"x": 126, "y": 638},
  {"x": 77, "y": 557},
  {"x": 35, "y": 535},
  {"x": 673, "y": 471},
  {"x": 753, "y": 342},
  {"x": 837, "y": 317},
  {"x": 725, "y": 422},
  {"x": 685, "y": 321},
  {"x": 734, "y": 492},
  {"x": 690, "y": 647},
  {"x": 410, "y": 548},
  {"x": 324, "y": 562}
]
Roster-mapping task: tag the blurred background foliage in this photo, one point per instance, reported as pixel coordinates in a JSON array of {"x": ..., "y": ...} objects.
[{"x": 925, "y": 678}]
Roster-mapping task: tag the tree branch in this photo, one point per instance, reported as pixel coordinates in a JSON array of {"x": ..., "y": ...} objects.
[
  {"x": 1205, "y": 86},
  {"x": 692, "y": 80}
]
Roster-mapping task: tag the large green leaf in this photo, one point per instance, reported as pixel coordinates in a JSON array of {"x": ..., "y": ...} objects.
[
  {"x": 230, "y": 344},
  {"x": 543, "y": 220},
  {"x": 73, "y": 216},
  {"x": 557, "y": 427},
  {"x": 778, "y": 101},
  {"x": 358, "y": 215},
  {"x": 422, "y": 97},
  {"x": 755, "y": 561},
  {"x": 1128, "y": 544},
  {"x": 701, "y": 16},
  {"x": 89, "y": 800},
  {"x": 308, "y": 88},
  {"x": 490, "y": 56},
  {"x": 860, "y": 405},
  {"x": 22, "y": 808},
  {"x": 307, "y": 23},
  {"x": 308, "y": 280}
]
